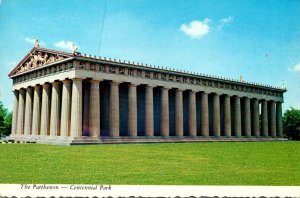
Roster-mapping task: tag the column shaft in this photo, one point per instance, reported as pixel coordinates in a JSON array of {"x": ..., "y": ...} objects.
[
  {"x": 237, "y": 117},
  {"x": 94, "y": 117},
  {"x": 21, "y": 112},
  {"x": 114, "y": 110},
  {"x": 45, "y": 113},
  {"x": 247, "y": 118},
  {"x": 279, "y": 119},
  {"x": 28, "y": 111},
  {"x": 15, "y": 113},
  {"x": 66, "y": 108},
  {"x": 36, "y": 115},
  {"x": 132, "y": 111},
  {"x": 86, "y": 108},
  {"x": 55, "y": 110},
  {"x": 216, "y": 115},
  {"x": 204, "y": 115},
  {"x": 255, "y": 113},
  {"x": 76, "y": 109},
  {"x": 149, "y": 120},
  {"x": 272, "y": 117},
  {"x": 164, "y": 116},
  {"x": 264, "y": 118},
  {"x": 192, "y": 114},
  {"x": 227, "y": 116},
  {"x": 179, "y": 113}
]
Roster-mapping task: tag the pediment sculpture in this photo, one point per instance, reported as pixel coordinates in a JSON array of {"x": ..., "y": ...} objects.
[{"x": 37, "y": 59}]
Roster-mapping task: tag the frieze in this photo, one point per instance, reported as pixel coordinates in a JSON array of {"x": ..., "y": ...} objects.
[
  {"x": 42, "y": 72},
  {"x": 147, "y": 74},
  {"x": 131, "y": 72}
]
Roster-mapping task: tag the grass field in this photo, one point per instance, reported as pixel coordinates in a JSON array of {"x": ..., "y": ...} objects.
[{"x": 248, "y": 163}]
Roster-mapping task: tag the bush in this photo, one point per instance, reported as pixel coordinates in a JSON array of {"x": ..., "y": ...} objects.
[{"x": 291, "y": 124}]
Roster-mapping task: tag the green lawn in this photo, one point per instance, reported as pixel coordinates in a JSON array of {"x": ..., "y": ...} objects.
[{"x": 244, "y": 163}]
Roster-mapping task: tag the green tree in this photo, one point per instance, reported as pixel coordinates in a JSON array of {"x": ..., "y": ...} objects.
[
  {"x": 5, "y": 120},
  {"x": 7, "y": 123},
  {"x": 291, "y": 124}
]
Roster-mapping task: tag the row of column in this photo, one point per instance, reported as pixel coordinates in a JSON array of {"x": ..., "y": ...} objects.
[
  {"x": 46, "y": 110},
  {"x": 57, "y": 111}
]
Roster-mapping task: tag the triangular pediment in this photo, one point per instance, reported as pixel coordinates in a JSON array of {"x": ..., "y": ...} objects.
[{"x": 38, "y": 57}]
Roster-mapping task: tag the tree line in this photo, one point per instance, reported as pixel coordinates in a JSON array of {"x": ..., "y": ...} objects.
[{"x": 290, "y": 120}]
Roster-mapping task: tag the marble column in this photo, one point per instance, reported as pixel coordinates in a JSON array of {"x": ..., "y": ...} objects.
[
  {"x": 21, "y": 112},
  {"x": 114, "y": 110},
  {"x": 76, "y": 109},
  {"x": 247, "y": 118},
  {"x": 66, "y": 108},
  {"x": 272, "y": 118},
  {"x": 149, "y": 117},
  {"x": 94, "y": 117},
  {"x": 179, "y": 113},
  {"x": 237, "y": 116},
  {"x": 164, "y": 116},
  {"x": 227, "y": 116},
  {"x": 86, "y": 108},
  {"x": 36, "y": 115},
  {"x": 45, "y": 113},
  {"x": 255, "y": 113},
  {"x": 192, "y": 114},
  {"x": 15, "y": 113},
  {"x": 28, "y": 111},
  {"x": 279, "y": 119},
  {"x": 204, "y": 115},
  {"x": 55, "y": 109},
  {"x": 216, "y": 115},
  {"x": 132, "y": 110},
  {"x": 264, "y": 118}
]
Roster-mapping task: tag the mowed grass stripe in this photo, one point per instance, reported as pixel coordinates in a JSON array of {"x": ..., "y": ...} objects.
[{"x": 228, "y": 163}]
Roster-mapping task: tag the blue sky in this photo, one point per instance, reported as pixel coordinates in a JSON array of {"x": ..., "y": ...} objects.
[{"x": 259, "y": 40}]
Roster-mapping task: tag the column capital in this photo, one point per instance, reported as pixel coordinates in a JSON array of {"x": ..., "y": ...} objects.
[
  {"x": 114, "y": 82},
  {"x": 164, "y": 88},
  {"x": 94, "y": 81},
  {"x": 76, "y": 79},
  {"x": 132, "y": 85},
  {"x": 179, "y": 90},
  {"x": 67, "y": 80},
  {"x": 15, "y": 91},
  {"x": 46, "y": 85},
  {"x": 29, "y": 89},
  {"x": 37, "y": 86},
  {"x": 56, "y": 83},
  {"x": 22, "y": 90},
  {"x": 150, "y": 86}
]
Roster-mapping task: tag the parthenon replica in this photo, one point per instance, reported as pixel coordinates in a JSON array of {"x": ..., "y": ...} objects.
[{"x": 71, "y": 98}]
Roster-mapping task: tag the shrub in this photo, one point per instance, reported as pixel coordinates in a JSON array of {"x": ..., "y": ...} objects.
[{"x": 291, "y": 124}]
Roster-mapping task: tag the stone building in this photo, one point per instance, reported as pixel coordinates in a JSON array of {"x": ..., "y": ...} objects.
[{"x": 70, "y": 98}]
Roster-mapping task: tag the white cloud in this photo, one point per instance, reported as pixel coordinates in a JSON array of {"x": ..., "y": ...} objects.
[
  {"x": 68, "y": 45},
  {"x": 225, "y": 21},
  {"x": 32, "y": 40},
  {"x": 296, "y": 68},
  {"x": 196, "y": 29}
]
